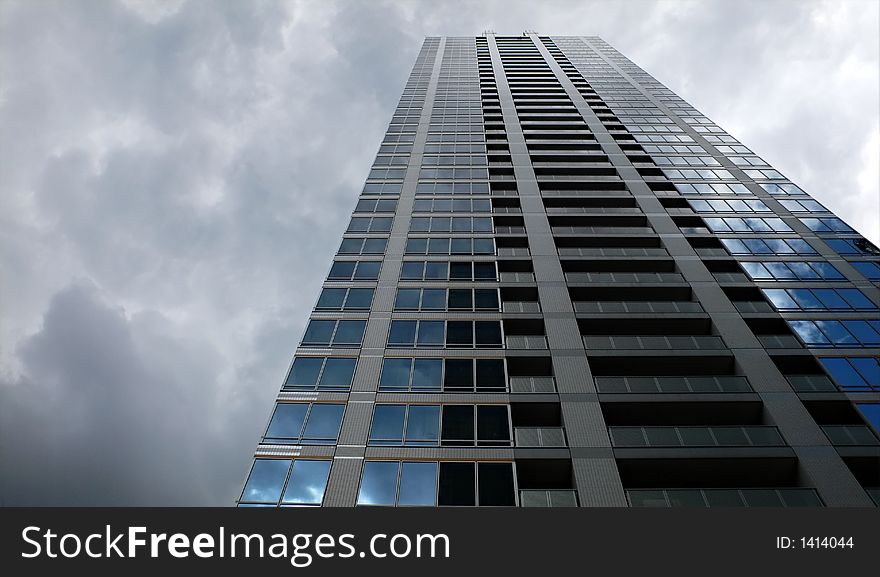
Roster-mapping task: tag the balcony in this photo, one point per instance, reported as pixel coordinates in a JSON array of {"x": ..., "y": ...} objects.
[
  {"x": 548, "y": 498},
  {"x": 653, "y": 342},
  {"x": 721, "y": 436},
  {"x": 673, "y": 385},
  {"x": 850, "y": 435},
  {"x": 623, "y": 277},
  {"x": 527, "y": 342},
  {"x": 532, "y": 385},
  {"x": 637, "y": 307},
  {"x": 750, "y": 497},
  {"x": 539, "y": 437}
]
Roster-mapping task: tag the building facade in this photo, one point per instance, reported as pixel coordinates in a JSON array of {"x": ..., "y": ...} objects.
[{"x": 562, "y": 285}]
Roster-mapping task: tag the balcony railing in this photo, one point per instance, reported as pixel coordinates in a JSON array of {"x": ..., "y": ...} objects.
[
  {"x": 532, "y": 385},
  {"x": 521, "y": 307},
  {"x": 623, "y": 277},
  {"x": 548, "y": 498},
  {"x": 517, "y": 277},
  {"x": 674, "y": 385},
  {"x": 637, "y": 307},
  {"x": 751, "y": 497},
  {"x": 811, "y": 383},
  {"x": 750, "y": 436},
  {"x": 530, "y": 342},
  {"x": 611, "y": 251},
  {"x": 850, "y": 435},
  {"x": 654, "y": 342},
  {"x": 539, "y": 437}
]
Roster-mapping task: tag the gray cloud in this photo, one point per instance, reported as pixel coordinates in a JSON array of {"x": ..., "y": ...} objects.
[{"x": 176, "y": 177}]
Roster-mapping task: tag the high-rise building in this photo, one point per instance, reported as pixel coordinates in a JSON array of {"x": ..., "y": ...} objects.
[{"x": 563, "y": 285}]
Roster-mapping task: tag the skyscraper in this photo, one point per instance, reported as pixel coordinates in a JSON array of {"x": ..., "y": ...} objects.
[{"x": 562, "y": 285}]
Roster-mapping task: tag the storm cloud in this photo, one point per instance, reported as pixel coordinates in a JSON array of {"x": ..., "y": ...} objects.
[{"x": 175, "y": 177}]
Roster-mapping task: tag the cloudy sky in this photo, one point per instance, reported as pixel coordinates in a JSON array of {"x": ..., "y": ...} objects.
[{"x": 175, "y": 177}]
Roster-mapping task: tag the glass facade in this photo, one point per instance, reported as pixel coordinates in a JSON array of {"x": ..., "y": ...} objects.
[{"x": 563, "y": 285}]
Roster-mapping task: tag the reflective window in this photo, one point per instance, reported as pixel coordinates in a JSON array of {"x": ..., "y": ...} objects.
[
  {"x": 308, "y": 481},
  {"x": 266, "y": 480},
  {"x": 818, "y": 299},
  {"x": 321, "y": 373},
  {"x": 305, "y": 423},
  {"x": 853, "y": 373},
  {"x": 834, "y": 333}
]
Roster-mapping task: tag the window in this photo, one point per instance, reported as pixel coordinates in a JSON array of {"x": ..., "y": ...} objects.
[
  {"x": 870, "y": 270},
  {"x": 334, "y": 333},
  {"x": 305, "y": 423},
  {"x": 791, "y": 270},
  {"x": 412, "y": 425},
  {"x": 374, "y": 205},
  {"x": 345, "y": 270},
  {"x": 441, "y": 270},
  {"x": 852, "y": 246},
  {"x": 453, "y": 205},
  {"x": 826, "y": 225},
  {"x": 452, "y": 188},
  {"x": 402, "y": 483},
  {"x": 421, "y": 374},
  {"x": 871, "y": 413},
  {"x": 734, "y": 224},
  {"x": 832, "y": 333},
  {"x": 417, "y": 483},
  {"x": 339, "y": 299},
  {"x": 446, "y": 245},
  {"x": 387, "y": 173},
  {"x": 853, "y": 373},
  {"x": 728, "y": 206},
  {"x": 818, "y": 299},
  {"x": 775, "y": 246},
  {"x": 443, "y": 299},
  {"x": 685, "y": 161},
  {"x": 383, "y": 188},
  {"x": 712, "y": 188},
  {"x": 363, "y": 245},
  {"x": 698, "y": 174},
  {"x": 764, "y": 174},
  {"x": 802, "y": 205},
  {"x": 321, "y": 373},
  {"x": 302, "y": 482},
  {"x": 370, "y": 224},
  {"x": 423, "y": 333},
  {"x": 781, "y": 189},
  {"x": 453, "y": 173},
  {"x": 460, "y": 224}
]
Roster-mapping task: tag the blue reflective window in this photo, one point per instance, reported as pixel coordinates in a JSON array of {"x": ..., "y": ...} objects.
[
  {"x": 430, "y": 334},
  {"x": 427, "y": 374},
  {"x": 367, "y": 270},
  {"x": 856, "y": 299},
  {"x": 337, "y": 373},
  {"x": 305, "y": 371},
  {"x": 870, "y": 270},
  {"x": 844, "y": 373},
  {"x": 418, "y": 484},
  {"x": 331, "y": 298},
  {"x": 349, "y": 333},
  {"x": 402, "y": 333},
  {"x": 871, "y": 412},
  {"x": 287, "y": 421},
  {"x": 865, "y": 331},
  {"x": 359, "y": 298},
  {"x": 436, "y": 270},
  {"x": 412, "y": 270},
  {"x": 395, "y": 373},
  {"x": 433, "y": 299},
  {"x": 342, "y": 270},
  {"x": 868, "y": 368},
  {"x": 378, "y": 483},
  {"x": 308, "y": 481},
  {"x": 319, "y": 332},
  {"x": 780, "y": 299},
  {"x": 323, "y": 423},
  {"x": 387, "y": 426},
  {"x": 836, "y": 332},
  {"x": 423, "y": 425},
  {"x": 266, "y": 480},
  {"x": 407, "y": 299}
]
